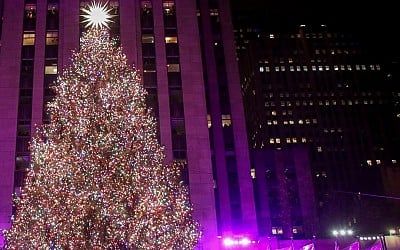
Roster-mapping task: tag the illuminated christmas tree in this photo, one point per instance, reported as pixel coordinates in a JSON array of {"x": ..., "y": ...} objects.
[{"x": 97, "y": 178}]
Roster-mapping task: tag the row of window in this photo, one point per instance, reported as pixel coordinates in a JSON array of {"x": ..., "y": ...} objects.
[
  {"x": 226, "y": 120},
  {"x": 292, "y": 122},
  {"x": 378, "y": 162},
  {"x": 320, "y": 68},
  {"x": 323, "y": 103},
  {"x": 304, "y": 94},
  {"x": 29, "y": 38},
  {"x": 149, "y": 38}
]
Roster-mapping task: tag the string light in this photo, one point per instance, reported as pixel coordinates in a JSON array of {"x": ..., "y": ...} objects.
[{"x": 97, "y": 178}]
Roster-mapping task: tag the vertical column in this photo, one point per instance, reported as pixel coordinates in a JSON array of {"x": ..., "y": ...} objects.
[
  {"x": 162, "y": 79},
  {"x": 238, "y": 121},
  {"x": 130, "y": 37},
  {"x": 306, "y": 192},
  {"x": 216, "y": 127},
  {"x": 198, "y": 147},
  {"x": 38, "y": 75},
  {"x": 69, "y": 31},
  {"x": 10, "y": 58}
]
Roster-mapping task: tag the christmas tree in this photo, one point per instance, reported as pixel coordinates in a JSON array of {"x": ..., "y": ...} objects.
[{"x": 97, "y": 178}]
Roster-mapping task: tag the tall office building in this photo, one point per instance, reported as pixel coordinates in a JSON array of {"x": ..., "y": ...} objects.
[
  {"x": 325, "y": 92},
  {"x": 185, "y": 51}
]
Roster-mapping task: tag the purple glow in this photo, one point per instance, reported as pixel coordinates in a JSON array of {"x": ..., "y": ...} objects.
[{"x": 240, "y": 241}]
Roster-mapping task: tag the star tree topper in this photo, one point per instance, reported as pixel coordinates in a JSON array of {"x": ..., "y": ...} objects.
[{"x": 97, "y": 15}]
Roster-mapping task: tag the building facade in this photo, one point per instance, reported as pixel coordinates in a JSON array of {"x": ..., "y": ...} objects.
[
  {"x": 326, "y": 91},
  {"x": 186, "y": 54}
]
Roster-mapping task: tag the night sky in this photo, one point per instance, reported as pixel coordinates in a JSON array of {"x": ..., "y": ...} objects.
[{"x": 373, "y": 20}]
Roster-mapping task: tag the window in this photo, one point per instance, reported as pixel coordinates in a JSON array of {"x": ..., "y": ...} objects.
[
  {"x": 226, "y": 120},
  {"x": 173, "y": 67},
  {"x": 209, "y": 124},
  {"x": 29, "y": 39},
  {"x": 171, "y": 39},
  {"x": 169, "y": 7},
  {"x": 52, "y": 38},
  {"x": 214, "y": 12},
  {"x": 50, "y": 70},
  {"x": 253, "y": 173},
  {"x": 369, "y": 162},
  {"x": 147, "y": 38},
  {"x": 277, "y": 230}
]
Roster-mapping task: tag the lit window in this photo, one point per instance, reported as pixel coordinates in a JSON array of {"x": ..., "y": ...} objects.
[
  {"x": 271, "y": 36},
  {"x": 378, "y": 162},
  {"x": 273, "y": 113},
  {"x": 29, "y": 39},
  {"x": 288, "y": 140},
  {"x": 372, "y": 67},
  {"x": 285, "y": 122},
  {"x": 291, "y": 122},
  {"x": 357, "y": 67},
  {"x": 277, "y": 140},
  {"x": 303, "y": 140},
  {"x": 342, "y": 67},
  {"x": 277, "y": 230},
  {"x": 267, "y": 69},
  {"x": 226, "y": 120},
  {"x": 51, "y": 38},
  {"x": 300, "y": 121},
  {"x": 269, "y": 122},
  {"x": 314, "y": 68},
  {"x": 394, "y": 161},
  {"x": 271, "y": 140},
  {"x": 320, "y": 68},
  {"x": 168, "y": 7},
  {"x": 291, "y": 68},
  {"x": 275, "y": 122},
  {"x": 209, "y": 124},
  {"x": 335, "y": 67},
  {"x": 369, "y": 162},
  {"x": 214, "y": 12},
  {"x": 261, "y": 69},
  {"x": 363, "y": 67},
  {"x": 305, "y": 68},
  {"x": 326, "y": 67},
  {"x": 147, "y": 38},
  {"x": 378, "y": 67},
  {"x": 253, "y": 173},
  {"x": 349, "y": 67},
  {"x": 298, "y": 68},
  {"x": 276, "y": 68},
  {"x": 319, "y": 149},
  {"x": 294, "y": 140},
  {"x": 171, "y": 39},
  {"x": 50, "y": 70},
  {"x": 173, "y": 67}
]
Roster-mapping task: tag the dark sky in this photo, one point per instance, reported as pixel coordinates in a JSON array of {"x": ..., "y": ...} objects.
[
  {"x": 376, "y": 21},
  {"x": 349, "y": 12}
]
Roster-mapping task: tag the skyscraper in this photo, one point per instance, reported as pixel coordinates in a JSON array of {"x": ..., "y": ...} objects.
[
  {"x": 185, "y": 51},
  {"x": 324, "y": 90}
]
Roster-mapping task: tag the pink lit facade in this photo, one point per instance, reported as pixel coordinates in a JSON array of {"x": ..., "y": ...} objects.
[{"x": 185, "y": 50}]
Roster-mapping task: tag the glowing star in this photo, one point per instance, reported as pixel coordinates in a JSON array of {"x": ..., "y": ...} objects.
[{"x": 97, "y": 15}]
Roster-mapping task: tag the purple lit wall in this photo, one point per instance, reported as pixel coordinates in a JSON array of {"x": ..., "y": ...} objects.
[{"x": 9, "y": 88}]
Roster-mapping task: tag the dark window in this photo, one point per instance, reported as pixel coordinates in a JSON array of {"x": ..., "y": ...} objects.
[
  {"x": 150, "y": 79},
  {"x": 176, "y": 104},
  {"x": 52, "y": 16},
  {"x": 178, "y": 134},
  {"x": 174, "y": 79},
  {"x": 30, "y": 17}
]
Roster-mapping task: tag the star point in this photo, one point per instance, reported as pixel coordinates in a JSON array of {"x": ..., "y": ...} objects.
[{"x": 97, "y": 15}]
